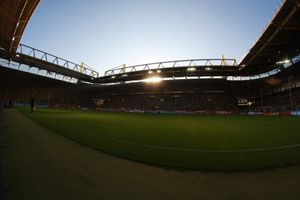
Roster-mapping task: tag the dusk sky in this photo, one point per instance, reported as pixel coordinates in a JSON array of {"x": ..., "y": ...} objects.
[{"x": 108, "y": 33}]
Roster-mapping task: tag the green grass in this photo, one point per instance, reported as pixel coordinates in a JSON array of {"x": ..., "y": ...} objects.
[{"x": 181, "y": 141}]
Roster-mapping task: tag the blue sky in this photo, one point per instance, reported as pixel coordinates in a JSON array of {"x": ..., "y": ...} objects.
[{"x": 108, "y": 33}]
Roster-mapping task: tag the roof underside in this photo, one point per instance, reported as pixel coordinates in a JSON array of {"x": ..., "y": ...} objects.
[
  {"x": 14, "y": 16},
  {"x": 280, "y": 41}
]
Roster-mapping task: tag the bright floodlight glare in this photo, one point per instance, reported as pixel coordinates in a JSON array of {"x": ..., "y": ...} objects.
[
  {"x": 190, "y": 69},
  {"x": 158, "y": 71},
  {"x": 154, "y": 79},
  {"x": 286, "y": 61},
  {"x": 150, "y": 72}
]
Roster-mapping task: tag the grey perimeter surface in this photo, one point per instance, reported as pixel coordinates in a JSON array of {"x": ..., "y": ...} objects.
[
  {"x": 2, "y": 193},
  {"x": 40, "y": 164}
]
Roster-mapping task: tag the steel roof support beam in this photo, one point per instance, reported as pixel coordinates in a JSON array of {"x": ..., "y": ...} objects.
[{"x": 279, "y": 27}]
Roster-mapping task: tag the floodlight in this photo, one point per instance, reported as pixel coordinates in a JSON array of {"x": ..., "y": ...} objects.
[
  {"x": 190, "y": 69},
  {"x": 286, "y": 61}
]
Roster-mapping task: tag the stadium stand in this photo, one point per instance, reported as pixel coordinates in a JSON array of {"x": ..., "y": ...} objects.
[
  {"x": 20, "y": 87},
  {"x": 184, "y": 102}
]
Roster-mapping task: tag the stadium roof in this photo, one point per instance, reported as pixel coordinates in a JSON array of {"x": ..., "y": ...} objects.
[
  {"x": 14, "y": 16},
  {"x": 280, "y": 41},
  {"x": 170, "y": 69}
]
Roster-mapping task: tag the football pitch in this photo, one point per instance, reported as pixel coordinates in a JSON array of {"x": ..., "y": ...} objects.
[{"x": 197, "y": 142}]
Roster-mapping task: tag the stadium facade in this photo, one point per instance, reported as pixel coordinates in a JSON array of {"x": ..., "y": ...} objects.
[{"x": 266, "y": 81}]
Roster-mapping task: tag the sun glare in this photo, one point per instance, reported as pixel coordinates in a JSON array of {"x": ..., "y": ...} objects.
[{"x": 154, "y": 79}]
